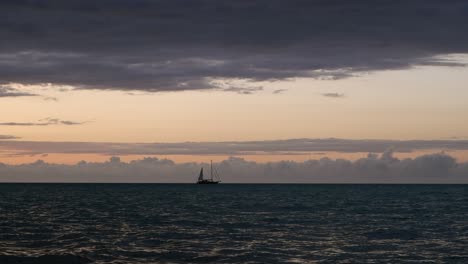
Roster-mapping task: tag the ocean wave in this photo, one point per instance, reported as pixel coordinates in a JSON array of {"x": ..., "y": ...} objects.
[
  {"x": 44, "y": 259},
  {"x": 129, "y": 224}
]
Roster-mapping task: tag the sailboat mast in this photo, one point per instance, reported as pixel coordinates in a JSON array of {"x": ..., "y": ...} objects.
[{"x": 211, "y": 169}]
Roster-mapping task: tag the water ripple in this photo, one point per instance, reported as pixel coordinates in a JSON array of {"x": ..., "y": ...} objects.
[{"x": 138, "y": 223}]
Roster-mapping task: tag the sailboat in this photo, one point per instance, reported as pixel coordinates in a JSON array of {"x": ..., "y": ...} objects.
[{"x": 214, "y": 177}]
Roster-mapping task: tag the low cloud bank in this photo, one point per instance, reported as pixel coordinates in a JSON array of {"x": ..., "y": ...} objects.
[
  {"x": 232, "y": 148},
  {"x": 384, "y": 168}
]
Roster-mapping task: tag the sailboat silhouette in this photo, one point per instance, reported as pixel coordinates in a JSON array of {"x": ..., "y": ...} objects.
[{"x": 214, "y": 177}]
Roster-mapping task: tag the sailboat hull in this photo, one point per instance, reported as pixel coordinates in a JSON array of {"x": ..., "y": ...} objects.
[{"x": 207, "y": 182}]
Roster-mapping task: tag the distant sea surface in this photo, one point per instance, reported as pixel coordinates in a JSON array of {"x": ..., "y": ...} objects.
[{"x": 229, "y": 223}]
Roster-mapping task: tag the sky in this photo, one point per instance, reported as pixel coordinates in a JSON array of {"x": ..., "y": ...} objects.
[{"x": 160, "y": 88}]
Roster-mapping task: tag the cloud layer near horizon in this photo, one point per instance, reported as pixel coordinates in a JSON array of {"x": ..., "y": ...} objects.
[
  {"x": 185, "y": 45},
  {"x": 434, "y": 168},
  {"x": 281, "y": 147},
  {"x": 7, "y": 137}
]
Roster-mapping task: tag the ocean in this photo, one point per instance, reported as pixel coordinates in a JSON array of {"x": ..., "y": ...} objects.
[{"x": 233, "y": 223}]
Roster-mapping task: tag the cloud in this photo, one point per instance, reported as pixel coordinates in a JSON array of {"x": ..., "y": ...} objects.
[
  {"x": 43, "y": 122},
  {"x": 333, "y": 95},
  {"x": 279, "y": 91},
  {"x": 433, "y": 168},
  {"x": 243, "y": 90},
  {"x": 50, "y": 98},
  {"x": 177, "y": 45},
  {"x": 235, "y": 86},
  {"x": 272, "y": 147},
  {"x": 7, "y": 137},
  {"x": 6, "y": 91}
]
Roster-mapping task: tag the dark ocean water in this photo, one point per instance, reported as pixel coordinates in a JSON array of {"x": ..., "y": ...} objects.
[{"x": 173, "y": 223}]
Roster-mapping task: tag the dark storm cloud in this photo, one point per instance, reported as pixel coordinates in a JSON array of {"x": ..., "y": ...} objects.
[
  {"x": 183, "y": 45},
  {"x": 43, "y": 122},
  {"x": 333, "y": 95},
  {"x": 280, "y": 147},
  {"x": 433, "y": 168}
]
